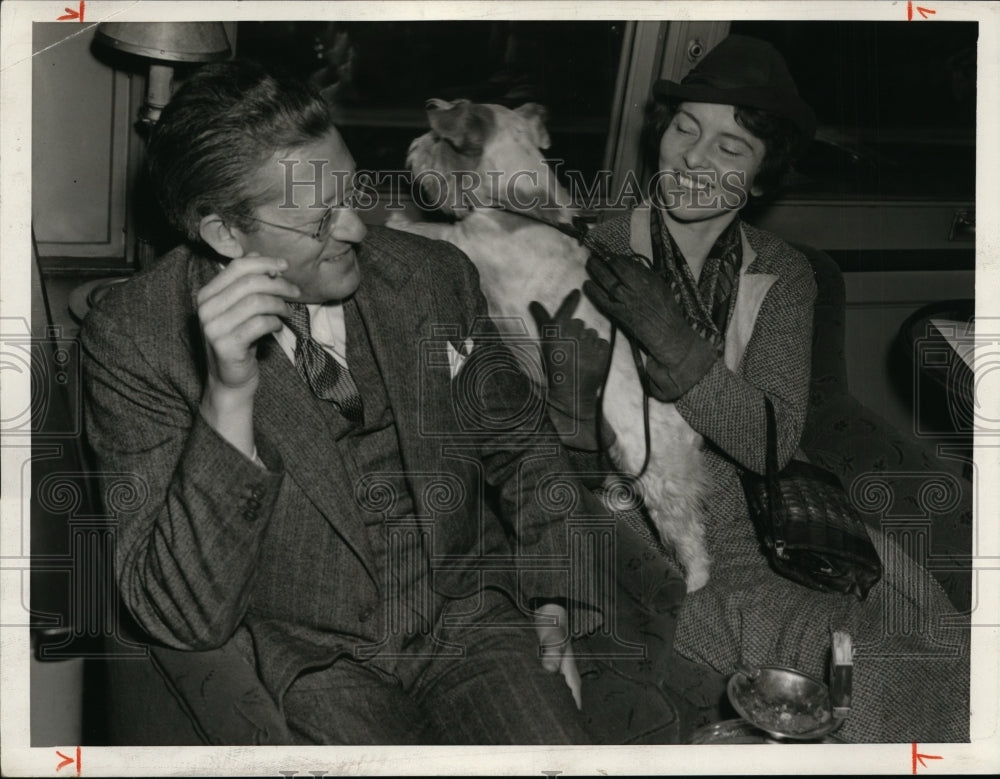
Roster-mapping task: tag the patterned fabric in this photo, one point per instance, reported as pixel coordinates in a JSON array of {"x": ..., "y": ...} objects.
[
  {"x": 494, "y": 692},
  {"x": 625, "y": 700},
  {"x": 872, "y": 458},
  {"x": 708, "y": 302},
  {"x": 911, "y": 671},
  {"x": 860, "y": 446},
  {"x": 282, "y": 549},
  {"x": 328, "y": 379},
  {"x": 719, "y": 278}
]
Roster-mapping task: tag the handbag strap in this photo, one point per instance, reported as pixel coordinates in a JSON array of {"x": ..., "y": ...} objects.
[{"x": 774, "y": 513}]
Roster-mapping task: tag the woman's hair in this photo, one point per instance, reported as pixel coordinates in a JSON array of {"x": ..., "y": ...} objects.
[
  {"x": 218, "y": 131},
  {"x": 782, "y": 140}
]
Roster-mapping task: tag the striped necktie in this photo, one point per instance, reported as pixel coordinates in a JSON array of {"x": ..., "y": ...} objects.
[
  {"x": 725, "y": 282},
  {"x": 327, "y": 378}
]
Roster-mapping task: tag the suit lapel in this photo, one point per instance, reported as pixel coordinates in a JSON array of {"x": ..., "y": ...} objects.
[
  {"x": 390, "y": 303},
  {"x": 753, "y": 287}
]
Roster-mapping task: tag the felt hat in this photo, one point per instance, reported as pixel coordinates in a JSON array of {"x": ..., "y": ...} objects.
[{"x": 743, "y": 71}]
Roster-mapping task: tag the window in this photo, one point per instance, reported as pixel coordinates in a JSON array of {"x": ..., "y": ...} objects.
[
  {"x": 895, "y": 103},
  {"x": 378, "y": 75},
  {"x": 889, "y": 182}
]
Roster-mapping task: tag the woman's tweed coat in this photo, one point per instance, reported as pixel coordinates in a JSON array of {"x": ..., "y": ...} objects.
[{"x": 908, "y": 685}]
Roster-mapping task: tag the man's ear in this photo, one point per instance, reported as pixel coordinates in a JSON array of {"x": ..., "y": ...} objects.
[
  {"x": 225, "y": 240},
  {"x": 535, "y": 115}
]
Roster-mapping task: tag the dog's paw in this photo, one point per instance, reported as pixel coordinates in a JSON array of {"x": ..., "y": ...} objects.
[
  {"x": 697, "y": 577},
  {"x": 397, "y": 221}
]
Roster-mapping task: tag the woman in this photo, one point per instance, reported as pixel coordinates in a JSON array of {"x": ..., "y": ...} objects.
[{"x": 725, "y": 317}]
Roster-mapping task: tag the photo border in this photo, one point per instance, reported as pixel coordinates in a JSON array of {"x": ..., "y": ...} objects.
[{"x": 19, "y": 759}]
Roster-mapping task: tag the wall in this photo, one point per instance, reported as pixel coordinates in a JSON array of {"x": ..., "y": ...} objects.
[{"x": 84, "y": 148}]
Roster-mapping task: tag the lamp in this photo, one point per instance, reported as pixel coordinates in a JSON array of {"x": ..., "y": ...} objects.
[{"x": 164, "y": 42}]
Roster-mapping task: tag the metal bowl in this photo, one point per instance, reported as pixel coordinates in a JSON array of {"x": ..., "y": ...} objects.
[
  {"x": 738, "y": 731},
  {"x": 783, "y": 702},
  {"x": 730, "y": 731}
]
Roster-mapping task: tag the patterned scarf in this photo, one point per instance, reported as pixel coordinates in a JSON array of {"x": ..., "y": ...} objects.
[{"x": 708, "y": 303}]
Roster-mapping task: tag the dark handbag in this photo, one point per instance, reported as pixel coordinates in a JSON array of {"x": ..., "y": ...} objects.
[{"x": 810, "y": 531}]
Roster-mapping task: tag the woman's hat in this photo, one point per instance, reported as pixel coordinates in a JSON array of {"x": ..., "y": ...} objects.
[{"x": 743, "y": 71}]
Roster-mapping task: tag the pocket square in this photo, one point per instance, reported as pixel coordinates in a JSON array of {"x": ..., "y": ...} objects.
[{"x": 457, "y": 355}]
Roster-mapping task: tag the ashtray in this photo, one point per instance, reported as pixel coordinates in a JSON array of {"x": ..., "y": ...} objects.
[
  {"x": 783, "y": 703},
  {"x": 739, "y": 731}
]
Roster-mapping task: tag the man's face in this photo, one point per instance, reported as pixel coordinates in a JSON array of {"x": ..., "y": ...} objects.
[
  {"x": 708, "y": 163},
  {"x": 325, "y": 269}
]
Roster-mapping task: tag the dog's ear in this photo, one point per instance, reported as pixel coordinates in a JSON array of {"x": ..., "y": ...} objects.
[
  {"x": 535, "y": 115},
  {"x": 479, "y": 124},
  {"x": 467, "y": 125}
]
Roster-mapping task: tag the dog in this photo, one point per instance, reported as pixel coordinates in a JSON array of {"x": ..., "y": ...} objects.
[{"x": 482, "y": 164}]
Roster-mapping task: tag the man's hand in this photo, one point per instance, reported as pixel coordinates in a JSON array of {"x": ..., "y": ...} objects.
[
  {"x": 557, "y": 650},
  {"x": 235, "y": 310},
  {"x": 572, "y": 405},
  {"x": 643, "y": 305}
]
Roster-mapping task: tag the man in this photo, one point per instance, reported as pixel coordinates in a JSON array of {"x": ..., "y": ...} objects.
[{"x": 315, "y": 412}]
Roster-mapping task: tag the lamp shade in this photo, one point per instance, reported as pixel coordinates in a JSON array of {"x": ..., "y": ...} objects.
[{"x": 169, "y": 41}]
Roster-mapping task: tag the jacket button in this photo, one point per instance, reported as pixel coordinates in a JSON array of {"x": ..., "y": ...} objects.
[
  {"x": 366, "y": 613},
  {"x": 249, "y": 515}
]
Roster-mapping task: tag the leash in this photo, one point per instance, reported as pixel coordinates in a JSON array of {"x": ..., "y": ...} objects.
[{"x": 583, "y": 237}]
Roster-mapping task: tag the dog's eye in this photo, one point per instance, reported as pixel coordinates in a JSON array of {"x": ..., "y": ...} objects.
[
  {"x": 466, "y": 146},
  {"x": 474, "y": 132}
]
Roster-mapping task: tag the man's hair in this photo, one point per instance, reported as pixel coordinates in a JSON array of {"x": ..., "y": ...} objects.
[
  {"x": 218, "y": 131},
  {"x": 782, "y": 140}
]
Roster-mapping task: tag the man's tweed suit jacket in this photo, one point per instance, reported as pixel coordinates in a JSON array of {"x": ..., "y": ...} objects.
[{"x": 211, "y": 541}]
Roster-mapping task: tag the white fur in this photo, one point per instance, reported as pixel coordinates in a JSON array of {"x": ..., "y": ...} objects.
[{"x": 520, "y": 260}]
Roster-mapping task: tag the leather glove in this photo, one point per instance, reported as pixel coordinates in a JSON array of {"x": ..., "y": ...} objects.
[
  {"x": 643, "y": 305},
  {"x": 572, "y": 405}
]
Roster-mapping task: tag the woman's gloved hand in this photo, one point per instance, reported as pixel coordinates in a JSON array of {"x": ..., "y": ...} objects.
[
  {"x": 572, "y": 404},
  {"x": 642, "y": 304}
]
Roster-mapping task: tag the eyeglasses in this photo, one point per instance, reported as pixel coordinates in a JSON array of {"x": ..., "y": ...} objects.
[{"x": 322, "y": 231}]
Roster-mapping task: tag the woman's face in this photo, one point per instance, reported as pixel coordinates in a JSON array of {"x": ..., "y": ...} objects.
[{"x": 708, "y": 163}]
